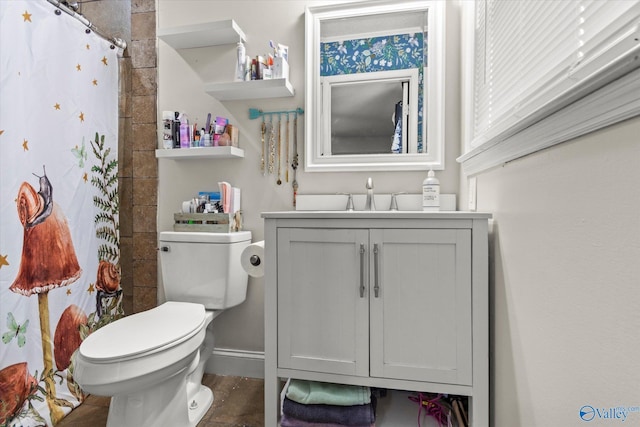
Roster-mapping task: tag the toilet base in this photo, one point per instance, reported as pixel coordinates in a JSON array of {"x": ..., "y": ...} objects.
[
  {"x": 162, "y": 405},
  {"x": 200, "y": 404}
]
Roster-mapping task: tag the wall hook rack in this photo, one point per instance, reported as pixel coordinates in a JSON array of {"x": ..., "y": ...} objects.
[{"x": 255, "y": 113}]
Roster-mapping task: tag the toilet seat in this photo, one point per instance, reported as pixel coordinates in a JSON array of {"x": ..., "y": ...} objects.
[{"x": 144, "y": 333}]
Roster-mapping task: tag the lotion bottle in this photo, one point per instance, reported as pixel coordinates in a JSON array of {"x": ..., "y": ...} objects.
[
  {"x": 185, "y": 138},
  {"x": 431, "y": 193}
]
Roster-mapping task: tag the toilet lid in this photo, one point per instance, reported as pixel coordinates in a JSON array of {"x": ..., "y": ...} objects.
[{"x": 169, "y": 323}]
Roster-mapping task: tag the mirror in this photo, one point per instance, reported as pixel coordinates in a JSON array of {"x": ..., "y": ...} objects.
[
  {"x": 367, "y": 113},
  {"x": 374, "y": 95}
]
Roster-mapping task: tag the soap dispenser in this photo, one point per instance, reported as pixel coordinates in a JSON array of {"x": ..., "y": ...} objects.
[{"x": 431, "y": 193}]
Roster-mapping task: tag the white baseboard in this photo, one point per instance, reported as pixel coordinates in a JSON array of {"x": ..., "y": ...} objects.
[{"x": 239, "y": 363}]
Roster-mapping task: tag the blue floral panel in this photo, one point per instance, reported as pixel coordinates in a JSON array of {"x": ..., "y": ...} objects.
[{"x": 385, "y": 53}]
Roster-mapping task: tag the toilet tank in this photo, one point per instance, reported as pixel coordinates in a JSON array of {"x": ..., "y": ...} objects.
[{"x": 204, "y": 267}]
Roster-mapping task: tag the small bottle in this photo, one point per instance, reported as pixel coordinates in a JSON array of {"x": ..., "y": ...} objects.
[
  {"x": 185, "y": 138},
  {"x": 167, "y": 129},
  {"x": 254, "y": 69},
  {"x": 431, "y": 193},
  {"x": 240, "y": 62},
  {"x": 175, "y": 131},
  {"x": 247, "y": 68},
  {"x": 197, "y": 141}
]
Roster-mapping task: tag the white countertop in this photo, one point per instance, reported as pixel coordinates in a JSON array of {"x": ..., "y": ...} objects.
[{"x": 377, "y": 215}]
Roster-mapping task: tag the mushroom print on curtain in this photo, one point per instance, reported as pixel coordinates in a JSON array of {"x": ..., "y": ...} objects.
[{"x": 59, "y": 225}]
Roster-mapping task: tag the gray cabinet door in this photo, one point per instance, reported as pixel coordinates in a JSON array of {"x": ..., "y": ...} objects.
[
  {"x": 421, "y": 316},
  {"x": 323, "y": 323}
]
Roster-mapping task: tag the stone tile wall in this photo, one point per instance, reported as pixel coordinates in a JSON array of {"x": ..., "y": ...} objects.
[
  {"x": 134, "y": 22},
  {"x": 144, "y": 143}
]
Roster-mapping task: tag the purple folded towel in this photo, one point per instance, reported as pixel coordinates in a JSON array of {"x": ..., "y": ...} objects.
[
  {"x": 356, "y": 415},
  {"x": 286, "y": 421}
]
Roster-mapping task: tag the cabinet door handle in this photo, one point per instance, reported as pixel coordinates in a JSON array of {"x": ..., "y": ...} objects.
[
  {"x": 376, "y": 283},
  {"x": 362, "y": 288}
]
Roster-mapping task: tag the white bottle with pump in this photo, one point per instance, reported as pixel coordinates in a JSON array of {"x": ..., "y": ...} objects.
[{"x": 431, "y": 193}]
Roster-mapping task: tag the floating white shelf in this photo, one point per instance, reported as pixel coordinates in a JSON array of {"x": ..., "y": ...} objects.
[
  {"x": 226, "y": 152},
  {"x": 201, "y": 35},
  {"x": 221, "y": 33},
  {"x": 252, "y": 89}
]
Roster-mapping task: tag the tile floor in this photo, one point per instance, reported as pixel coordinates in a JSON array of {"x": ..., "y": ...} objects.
[{"x": 238, "y": 402}]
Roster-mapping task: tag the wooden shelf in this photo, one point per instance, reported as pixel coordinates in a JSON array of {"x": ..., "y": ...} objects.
[
  {"x": 252, "y": 89},
  {"x": 201, "y": 35},
  {"x": 200, "y": 153}
]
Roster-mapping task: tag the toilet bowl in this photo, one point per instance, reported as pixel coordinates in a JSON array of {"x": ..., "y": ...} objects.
[
  {"x": 151, "y": 363},
  {"x": 145, "y": 372}
]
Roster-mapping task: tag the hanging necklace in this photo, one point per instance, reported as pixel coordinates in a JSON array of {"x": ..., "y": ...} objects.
[
  {"x": 272, "y": 147},
  {"x": 286, "y": 163},
  {"x": 294, "y": 165},
  {"x": 279, "y": 181},
  {"x": 263, "y": 130}
]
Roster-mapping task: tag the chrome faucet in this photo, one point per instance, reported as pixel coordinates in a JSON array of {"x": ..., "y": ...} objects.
[
  {"x": 349, "y": 207},
  {"x": 370, "y": 204},
  {"x": 394, "y": 201}
]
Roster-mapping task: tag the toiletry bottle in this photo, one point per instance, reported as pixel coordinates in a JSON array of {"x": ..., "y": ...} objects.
[
  {"x": 197, "y": 141},
  {"x": 240, "y": 62},
  {"x": 431, "y": 193},
  {"x": 167, "y": 129},
  {"x": 185, "y": 139},
  {"x": 247, "y": 68},
  {"x": 254, "y": 69},
  {"x": 176, "y": 129}
]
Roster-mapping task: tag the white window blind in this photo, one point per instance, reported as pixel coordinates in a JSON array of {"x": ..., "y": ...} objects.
[{"x": 533, "y": 57}]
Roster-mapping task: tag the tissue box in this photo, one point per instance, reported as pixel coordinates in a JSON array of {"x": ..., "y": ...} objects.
[{"x": 280, "y": 68}]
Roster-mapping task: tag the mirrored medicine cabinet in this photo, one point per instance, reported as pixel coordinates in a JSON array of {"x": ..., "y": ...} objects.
[{"x": 374, "y": 86}]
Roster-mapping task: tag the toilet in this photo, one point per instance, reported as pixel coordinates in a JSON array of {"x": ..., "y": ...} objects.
[{"x": 151, "y": 363}]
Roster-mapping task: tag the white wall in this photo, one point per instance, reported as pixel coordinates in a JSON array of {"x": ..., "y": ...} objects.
[
  {"x": 565, "y": 277},
  {"x": 181, "y": 75}
]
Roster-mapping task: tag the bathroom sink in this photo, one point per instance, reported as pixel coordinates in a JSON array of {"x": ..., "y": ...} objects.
[{"x": 338, "y": 202}]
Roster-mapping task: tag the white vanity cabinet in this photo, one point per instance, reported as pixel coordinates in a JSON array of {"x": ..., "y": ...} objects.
[{"x": 395, "y": 300}]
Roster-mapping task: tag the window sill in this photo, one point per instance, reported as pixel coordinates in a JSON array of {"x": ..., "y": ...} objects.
[{"x": 615, "y": 102}]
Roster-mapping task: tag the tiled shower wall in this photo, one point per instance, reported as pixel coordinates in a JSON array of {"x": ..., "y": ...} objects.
[{"x": 134, "y": 22}]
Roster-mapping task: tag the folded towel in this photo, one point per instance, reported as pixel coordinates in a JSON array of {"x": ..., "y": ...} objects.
[
  {"x": 312, "y": 392},
  {"x": 347, "y": 415},
  {"x": 286, "y": 421}
]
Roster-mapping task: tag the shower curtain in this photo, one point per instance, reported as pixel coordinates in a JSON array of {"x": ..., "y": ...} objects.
[{"x": 59, "y": 238}]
